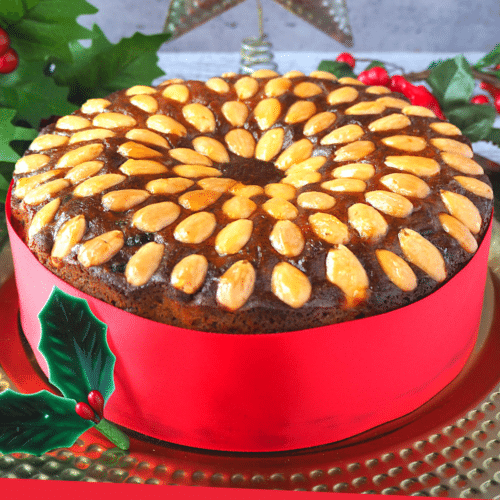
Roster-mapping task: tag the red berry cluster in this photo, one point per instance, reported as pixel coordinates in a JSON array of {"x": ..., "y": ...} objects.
[
  {"x": 94, "y": 410},
  {"x": 494, "y": 93},
  {"x": 8, "y": 56}
]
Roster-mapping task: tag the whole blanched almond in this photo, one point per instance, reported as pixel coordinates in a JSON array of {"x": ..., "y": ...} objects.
[
  {"x": 290, "y": 285},
  {"x": 344, "y": 270},
  {"x": 72, "y": 122},
  {"x": 97, "y": 184},
  {"x": 43, "y": 217},
  {"x": 80, "y": 155},
  {"x": 239, "y": 207},
  {"x": 345, "y": 185},
  {"x": 232, "y": 238},
  {"x": 312, "y": 164},
  {"x": 341, "y": 95},
  {"x": 176, "y": 92},
  {"x": 113, "y": 120},
  {"x": 378, "y": 89},
  {"x": 418, "y": 111},
  {"x": 48, "y": 141},
  {"x": 295, "y": 153},
  {"x": 196, "y": 228},
  {"x": 365, "y": 108},
  {"x": 287, "y": 239},
  {"x": 219, "y": 184},
  {"x": 406, "y": 185},
  {"x": 341, "y": 135},
  {"x": 45, "y": 191},
  {"x": 405, "y": 142},
  {"x": 392, "y": 102},
  {"x": 100, "y": 249},
  {"x": 196, "y": 171},
  {"x": 142, "y": 167},
  {"x": 246, "y": 87},
  {"x": 189, "y": 274},
  {"x": 319, "y": 122},
  {"x": 144, "y": 263},
  {"x": 155, "y": 217},
  {"x": 417, "y": 165},
  {"x": 172, "y": 185},
  {"x": 198, "y": 199},
  {"x": 264, "y": 73},
  {"x": 137, "y": 151},
  {"x": 218, "y": 85},
  {"x": 235, "y": 112},
  {"x": 93, "y": 106},
  {"x": 347, "y": 80},
  {"x": 479, "y": 188},
  {"x": 166, "y": 125},
  {"x": 269, "y": 144},
  {"x": 190, "y": 157},
  {"x": 367, "y": 221},
  {"x": 445, "y": 128},
  {"x": 267, "y": 112},
  {"x": 390, "y": 122},
  {"x": 325, "y": 75},
  {"x": 307, "y": 89},
  {"x": 140, "y": 90},
  {"x": 123, "y": 199},
  {"x": 240, "y": 142},
  {"x": 329, "y": 228},
  {"x": 91, "y": 134},
  {"x": 280, "y": 209},
  {"x": 68, "y": 235},
  {"x": 171, "y": 81},
  {"x": 300, "y": 111},
  {"x": 354, "y": 151},
  {"x": 301, "y": 179},
  {"x": 278, "y": 190},
  {"x": 458, "y": 231},
  {"x": 31, "y": 163},
  {"x": 240, "y": 189},
  {"x": 462, "y": 209},
  {"x": 316, "y": 200},
  {"x": 236, "y": 285},
  {"x": 147, "y": 136},
  {"x": 145, "y": 102},
  {"x": 212, "y": 148},
  {"x": 277, "y": 86},
  {"x": 293, "y": 74},
  {"x": 83, "y": 171},
  {"x": 462, "y": 163},
  {"x": 452, "y": 146},
  {"x": 422, "y": 253},
  {"x": 199, "y": 116},
  {"x": 361, "y": 171},
  {"x": 389, "y": 203},
  {"x": 26, "y": 184},
  {"x": 397, "y": 270}
]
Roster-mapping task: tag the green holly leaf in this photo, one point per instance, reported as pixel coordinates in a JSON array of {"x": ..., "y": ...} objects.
[
  {"x": 475, "y": 121},
  {"x": 492, "y": 58},
  {"x": 74, "y": 344},
  {"x": 339, "y": 69},
  {"x": 375, "y": 64},
  {"x": 452, "y": 81},
  {"x": 9, "y": 133},
  {"x": 493, "y": 136},
  {"x": 37, "y": 423},
  {"x": 40, "y": 29}
]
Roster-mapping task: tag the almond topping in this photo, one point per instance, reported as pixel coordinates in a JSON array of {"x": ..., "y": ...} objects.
[
  {"x": 287, "y": 239},
  {"x": 277, "y": 190},
  {"x": 365, "y": 108},
  {"x": 171, "y": 185},
  {"x": 297, "y": 152},
  {"x": 196, "y": 171},
  {"x": 218, "y": 85},
  {"x": 301, "y": 179},
  {"x": 367, "y": 221},
  {"x": 93, "y": 106},
  {"x": 91, "y": 135},
  {"x": 144, "y": 263},
  {"x": 199, "y": 116},
  {"x": 458, "y": 231},
  {"x": 269, "y": 144},
  {"x": 176, "y": 92},
  {"x": 80, "y": 155},
  {"x": 43, "y": 217},
  {"x": 316, "y": 200},
  {"x": 312, "y": 164},
  {"x": 122, "y": 200},
  {"x": 145, "y": 102},
  {"x": 246, "y": 87},
  {"x": 341, "y": 95},
  {"x": 100, "y": 249},
  {"x": 267, "y": 112},
  {"x": 45, "y": 191},
  {"x": 361, "y": 171},
  {"x": 144, "y": 135},
  {"x": 236, "y": 285},
  {"x": 171, "y": 80},
  {"x": 406, "y": 185},
  {"x": 390, "y": 203},
  {"x": 196, "y": 228},
  {"x": 143, "y": 167},
  {"x": 280, "y": 209},
  {"x": 240, "y": 142},
  {"x": 235, "y": 112},
  {"x": 290, "y": 285},
  {"x": 417, "y": 165},
  {"x": 189, "y": 274},
  {"x": 462, "y": 163},
  {"x": 166, "y": 125},
  {"x": 325, "y": 75},
  {"x": 264, "y": 73},
  {"x": 462, "y": 209},
  {"x": 26, "y": 184},
  {"x": 451, "y": 146},
  {"x": 48, "y": 141},
  {"x": 397, "y": 270},
  {"x": 319, "y": 122},
  {"x": 113, "y": 120},
  {"x": 155, "y": 217},
  {"x": 83, "y": 171},
  {"x": 344, "y": 270},
  {"x": 389, "y": 122},
  {"x": 475, "y": 186},
  {"x": 31, "y": 163},
  {"x": 238, "y": 207},
  {"x": 186, "y": 155},
  {"x": 138, "y": 151},
  {"x": 405, "y": 142},
  {"x": 72, "y": 122},
  {"x": 354, "y": 151},
  {"x": 240, "y": 189},
  {"x": 307, "y": 89},
  {"x": 140, "y": 90},
  {"x": 233, "y": 237},
  {"x": 378, "y": 89},
  {"x": 68, "y": 235},
  {"x": 392, "y": 102},
  {"x": 97, "y": 184},
  {"x": 277, "y": 86},
  {"x": 350, "y": 81},
  {"x": 293, "y": 74},
  {"x": 422, "y": 253},
  {"x": 198, "y": 199},
  {"x": 445, "y": 128},
  {"x": 219, "y": 184},
  {"x": 211, "y": 148},
  {"x": 329, "y": 228},
  {"x": 345, "y": 185},
  {"x": 300, "y": 111},
  {"x": 347, "y": 133},
  {"x": 418, "y": 111}
]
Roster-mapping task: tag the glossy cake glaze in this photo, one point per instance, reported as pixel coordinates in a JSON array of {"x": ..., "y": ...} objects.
[{"x": 250, "y": 204}]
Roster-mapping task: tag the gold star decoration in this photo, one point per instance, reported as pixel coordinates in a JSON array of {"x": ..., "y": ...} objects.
[{"x": 329, "y": 16}]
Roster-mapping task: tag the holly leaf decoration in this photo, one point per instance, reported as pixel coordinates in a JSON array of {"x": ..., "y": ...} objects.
[
  {"x": 74, "y": 344},
  {"x": 492, "y": 58},
  {"x": 375, "y": 63},
  {"x": 339, "y": 69},
  {"x": 10, "y": 133},
  {"x": 28, "y": 422},
  {"x": 475, "y": 121}
]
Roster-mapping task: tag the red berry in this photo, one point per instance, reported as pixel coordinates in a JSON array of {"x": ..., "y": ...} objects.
[
  {"x": 497, "y": 103},
  {"x": 347, "y": 58},
  {"x": 399, "y": 84},
  {"x": 491, "y": 89},
  {"x": 375, "y": 76},
  {"x": 96, "y": 401},
  {"x": 4, "y": 42},
  {"x": 9, "y": 61},
  {"x": 85, "y": 411},
  {"x": 480, "y": 99}
]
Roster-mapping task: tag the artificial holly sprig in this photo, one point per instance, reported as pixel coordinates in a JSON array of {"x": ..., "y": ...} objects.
[{"x": 73, "y": 342}]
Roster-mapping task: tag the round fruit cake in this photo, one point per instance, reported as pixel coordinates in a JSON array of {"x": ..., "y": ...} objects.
[{"x": 253, "y": 204}]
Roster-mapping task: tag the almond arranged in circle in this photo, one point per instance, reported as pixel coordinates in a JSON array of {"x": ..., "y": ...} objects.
[
  {"x": 354, "y": 151},
  {"x": 479, "y": 188},
  {"x": 462, "y": 163},
  {"x": 27, "y": 184},
  {"x": 458, "y": 231},
  {"x": 266, "y": 112},
  {"x": 316, "y": 200},
  {"x": 68, "y": 235},
  {"x": 144, "y": 263},
  {"x": 389, "y": 203},
  {"x": 113, "y": 120},
  {"x": 390, "y": 122},
  {"x": 72, "y": 122},
  {"x": 236, "y": 285},
  {"x": 300, "y": 111},
  {"x": 97, "y": 184},
  {"x": 30, "y": 163},
  {"x": 45, "y": 191},
  {"x": 100, "y": 249},
  {"x": 462, "y": 209},
  {"x": 196, "y": 228},
  {"x": 452, "y": 146},
  {"x": 172, "y": 185},
  {"x": 199, "y": 116},
  {"x": 347, "y": 133},
  {"x": 189, "y": 274},
  {"x": 240, "y": 142},
  {"x": 93, "y": 106},
  {"x": 417, "y": 165},
  {"x": 235, "y": 112},
  {"x": 367, "y": 221},
  {"x": 342, "y": 95},
  {"x": 155, "y": 217},
  {"x": 290, "y": 285},
  {"x": 329, "y": 228},
  {"x": 43, "y": 217},
  {"x": 145, "y": 102},
  {"x": 361, "y": 171},
  {"x": 406, "y": 185},
  {"x": 80, "y": 155},
  {"x": 233, "y": 237},
  {"x": 91, "y": 134},
  {"x": 176, "y": 92},
  {"x": 397, "y": 270},
  {"x": 409, "y": 143},
  {"x": 287, "y": 239},
  {"x": 48, "y": 141},
  {"x": 269, "y": 144},
  {"x": 123, "y": 199},
  {"x": 198, "y": 199}
]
